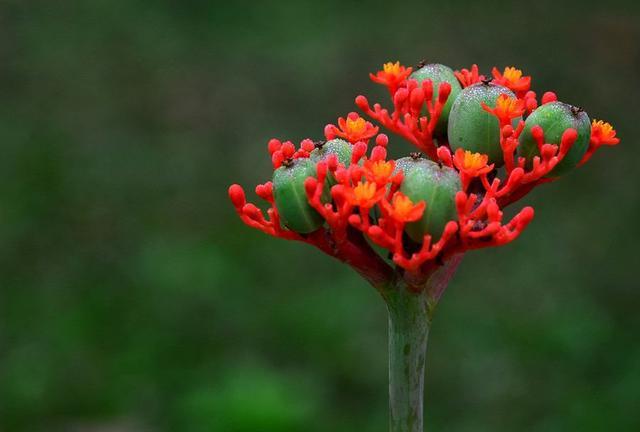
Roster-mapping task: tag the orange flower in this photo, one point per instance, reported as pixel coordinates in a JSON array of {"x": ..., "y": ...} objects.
[
  {"x": 471, "y": 164},
  {"x": 507, "y": 108},
  {"x": 355, "y": 128},
  {"x": 402, "y": 209},
  {"x": 391, "y": 75},
  {"x": 512, "y": 78},
  {"x": 603, "y": 133},
  {"x": 365, "y": 194},
  {"x": 379, "y": 171}
]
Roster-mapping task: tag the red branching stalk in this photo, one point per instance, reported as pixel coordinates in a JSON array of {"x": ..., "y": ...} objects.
[{"x": 409, "y": 100}]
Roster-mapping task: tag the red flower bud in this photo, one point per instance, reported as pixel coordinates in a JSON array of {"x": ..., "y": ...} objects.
[{"x": 237, "y": 196}]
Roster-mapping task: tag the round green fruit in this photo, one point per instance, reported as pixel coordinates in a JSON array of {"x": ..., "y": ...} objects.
[
  {"x": 291, "y": 199},
  {"x": 554, "y": 118},
  {"x": 439, "y": 73},
  {"x": 339, "y": 147},
  {"x": 437, "y": 185},
  {"x": 474, "y": 129}
]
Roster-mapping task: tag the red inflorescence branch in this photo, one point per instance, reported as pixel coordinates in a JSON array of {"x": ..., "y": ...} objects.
[
  {"x": 410, "y": 100},
  {"x": 254, "y": 217},
  {"x": 365, "y": 201},
  {"x": 481, "y": 225}
]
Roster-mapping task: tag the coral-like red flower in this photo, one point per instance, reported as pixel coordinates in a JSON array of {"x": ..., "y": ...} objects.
[
  {"x": 391, "y": 75},
  {"x": 356, "y": 204},
  {"x": 468, "y": 77},
  {"x": 512, "y": 79},
  {"x": 365, "y": 194},
  {"x": 354, "y": 128},
  {"x": 506, "y": 108},
  {"x": 370, "y": 181},
  {"x": 403, "y": 210}
]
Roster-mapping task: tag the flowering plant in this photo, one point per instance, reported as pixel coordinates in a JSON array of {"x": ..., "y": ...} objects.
[{"x": 483, "y": 143}]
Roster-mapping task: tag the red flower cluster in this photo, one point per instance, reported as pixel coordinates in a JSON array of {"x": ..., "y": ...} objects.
[{"x": 365, "y": 205}]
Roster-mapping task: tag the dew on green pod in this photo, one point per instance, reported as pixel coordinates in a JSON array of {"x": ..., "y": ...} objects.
[
  {"x": 403, "y": 164},
  {"x": 554, "y": 118},
  {"x": 291, "y": 199},
  {"x": 437, "y": 185},
  {"x": 474, "y": 129},
  {"x": 439, "y": 73},
  {"x": 339, "y": 147}
]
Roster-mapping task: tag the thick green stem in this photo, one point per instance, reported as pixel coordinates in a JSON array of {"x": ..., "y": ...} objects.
[
  {"x": 409, "y": 322},
  {"x": 410, "y": 312}
]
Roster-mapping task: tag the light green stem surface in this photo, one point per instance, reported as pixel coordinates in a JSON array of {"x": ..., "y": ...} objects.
[
  {"x": 411, "y": 309},
  {"x": 409, "y": 322}
]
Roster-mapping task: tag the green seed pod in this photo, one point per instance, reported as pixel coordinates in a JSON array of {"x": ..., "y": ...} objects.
[
  {"x": 554, "y": 118},
  {"x": 437, "y": 185},
  {"x": 291, "y": 199},
  {"x": 339, "y": 147},
  {"x": 439, "y": 73},
  {"x": 474, "y": 129}
]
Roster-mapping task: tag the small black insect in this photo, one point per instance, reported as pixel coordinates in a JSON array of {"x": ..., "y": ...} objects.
[
  {"x": 422, "y": 63},
  {"x": 575, "y": 110},
  {"x": 288, "y": 162}
]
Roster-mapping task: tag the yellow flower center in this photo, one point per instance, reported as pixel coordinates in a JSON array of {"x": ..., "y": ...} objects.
[
  {"x": 474, "y": 160},
  {"x": 506, "y": 104},
  {"x": 364, "y": 191},
  {"x": 605, "y": 128},
  {"x": 512, "y": 74},
  {"x": 391, "y": 68},
  {"x": 381, "y": 169},
  {"x": 356, "y": 126},
  {"x": 402, "y": 205}
]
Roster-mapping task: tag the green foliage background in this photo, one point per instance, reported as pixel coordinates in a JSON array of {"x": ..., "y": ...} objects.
[{"x": 132, "y": 299}]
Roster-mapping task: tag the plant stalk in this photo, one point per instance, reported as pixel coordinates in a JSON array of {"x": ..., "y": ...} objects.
[
  {"x": 410, "y": 314},
  {"x": 409, "y": 322}
]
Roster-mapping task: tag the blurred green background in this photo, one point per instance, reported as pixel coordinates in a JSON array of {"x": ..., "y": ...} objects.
[{"x": 133, "y": 299}]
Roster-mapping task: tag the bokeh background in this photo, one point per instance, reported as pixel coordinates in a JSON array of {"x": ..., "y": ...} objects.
[{"x": 132, "y": 298}]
